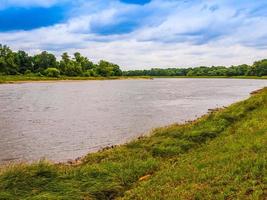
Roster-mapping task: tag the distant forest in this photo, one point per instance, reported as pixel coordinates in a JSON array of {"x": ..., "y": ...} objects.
[
  {"x": 46, "y": 64},
  {"x": 259, "y": 68}
]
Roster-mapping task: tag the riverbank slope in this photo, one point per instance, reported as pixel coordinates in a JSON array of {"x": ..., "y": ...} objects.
[{"x": 222, "y": 155}]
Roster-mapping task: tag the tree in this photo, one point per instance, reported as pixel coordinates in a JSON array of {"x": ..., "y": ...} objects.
[
  {"x": 7, "y": 61},
  {"x": 20, "y": 62},
  {"x": 70, "y": 67},
  {"x": 65, "y": 61},
  {"x": 260, "y": 68},
  {"x": 106, "y": 69},
  {"x": 43, "y": 61},
  {"x": 23, "y": 61},
  {"x": 83, "y": 62},
  {"x": 73, "y": 70}
]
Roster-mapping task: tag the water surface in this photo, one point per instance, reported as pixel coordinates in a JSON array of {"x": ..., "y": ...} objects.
[{"x": 65, "y": 120}]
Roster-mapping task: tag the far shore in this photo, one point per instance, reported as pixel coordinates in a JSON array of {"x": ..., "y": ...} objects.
[{"x": 10, "y": 79}]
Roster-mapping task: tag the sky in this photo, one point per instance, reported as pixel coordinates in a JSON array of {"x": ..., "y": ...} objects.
[{"x": 140, "y": 34}]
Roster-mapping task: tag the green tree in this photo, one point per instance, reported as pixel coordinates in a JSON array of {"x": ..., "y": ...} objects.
[
  {"x": 7, "y": 61},
  {"x": 106, "y": 69},
  {"x": 65, "y": 61},
  {"x": 260, "y": 68},
  {"x": 43, "y": 61},
  {"x": 70, "y": 67},
  {"x": 23, "y": 61},
  {"x": 84, "y": 62}
]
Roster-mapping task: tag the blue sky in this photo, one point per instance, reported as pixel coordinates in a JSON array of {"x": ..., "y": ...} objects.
[{"x": 140, "y": 33}]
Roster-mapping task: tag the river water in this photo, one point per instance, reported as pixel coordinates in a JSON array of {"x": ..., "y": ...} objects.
[{"x": 65, "y": 120}]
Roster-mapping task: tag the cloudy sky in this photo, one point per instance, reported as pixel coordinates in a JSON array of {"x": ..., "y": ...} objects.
[{"x": 140, "y": 34}]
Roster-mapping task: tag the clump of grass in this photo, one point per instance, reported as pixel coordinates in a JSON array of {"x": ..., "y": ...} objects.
[{"x": 221, "y": 155}]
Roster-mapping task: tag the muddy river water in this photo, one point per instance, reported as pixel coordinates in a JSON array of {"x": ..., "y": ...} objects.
[{"x": 65, "y": 120}]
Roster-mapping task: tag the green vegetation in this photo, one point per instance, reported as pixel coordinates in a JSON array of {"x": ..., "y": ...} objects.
[
  {"x": 258, "y": 69},
  {"x": 33, "y": 77},
  {"x": 52, "y": 72},
  {"x": 222, "y": 155},
  {"x": 46, "y": 65},
  {"x": 228, "y": 77}
]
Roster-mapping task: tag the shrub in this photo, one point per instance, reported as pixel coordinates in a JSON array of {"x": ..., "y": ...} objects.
[
  {"x": 73, "y": 70},
  {"x": 38, "y": 74},
  {"x": 89, "y": 73},
  {"x": 52, "y": 72},
  {"x": 27, "y": 72}
]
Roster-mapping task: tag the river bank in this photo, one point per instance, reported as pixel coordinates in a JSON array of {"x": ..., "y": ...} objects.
[
  {"x": 220, "y": 155},
  {"x": 214, "y": 77},
  {"x": 26, "y": 79}
]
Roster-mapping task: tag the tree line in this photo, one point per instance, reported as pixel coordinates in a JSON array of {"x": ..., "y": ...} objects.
[
  {"x": 46, "y": 64},
  {"x": 259, "y": 68}
]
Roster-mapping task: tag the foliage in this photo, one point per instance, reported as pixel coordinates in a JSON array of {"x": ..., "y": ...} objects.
[
  {"x": 7, "y": 61},
  {"x": 24, "y": 62},
  {"x": 73, "y": 70},
  {"x": 12, "y": 63},
  {"x": 259, "y": 68},
  {"x": 105, "y": 69},
  {"x": 219, "y": 156},
  {"x": 52, "y": 72},
  {"x": 43, "y": 61}
]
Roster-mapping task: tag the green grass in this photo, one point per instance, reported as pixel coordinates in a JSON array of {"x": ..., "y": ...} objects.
[
  {"x": 222, "y": 155},
  {"x": 22, "y": 78},
  {"x": 25, "y": 78}
]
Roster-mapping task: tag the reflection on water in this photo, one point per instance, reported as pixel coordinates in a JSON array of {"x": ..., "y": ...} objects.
[{"x": 64, "y": 120}]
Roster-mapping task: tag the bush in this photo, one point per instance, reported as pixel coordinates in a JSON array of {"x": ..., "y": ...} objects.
[
  {"x": 38, "y": 74},
  {"x": 89, "y": 73},
  {"x": 27, "y": 72},
  {"x": 52, "y": 72},
  {"x": 73, "y": 70}
]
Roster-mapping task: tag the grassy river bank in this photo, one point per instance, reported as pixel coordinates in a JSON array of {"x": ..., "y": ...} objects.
[
  {"x": 24, "y": 78},
  {"x": 32, "y": 78},
  {"x": 222, "y": 155}
]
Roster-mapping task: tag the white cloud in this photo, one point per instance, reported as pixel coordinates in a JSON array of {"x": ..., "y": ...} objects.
[{"x": 182, "y": 34}]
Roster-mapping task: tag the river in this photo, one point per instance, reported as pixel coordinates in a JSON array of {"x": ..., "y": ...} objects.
[{"x": 65, "y": 120}]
